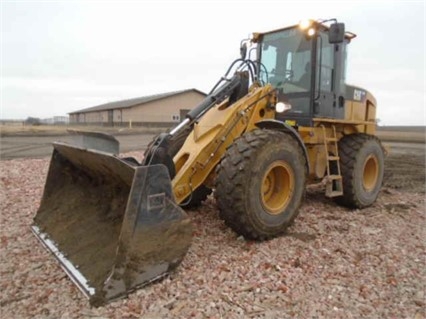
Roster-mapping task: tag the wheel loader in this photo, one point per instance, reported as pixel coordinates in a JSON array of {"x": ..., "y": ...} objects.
[{"x": 281, "y": 117}]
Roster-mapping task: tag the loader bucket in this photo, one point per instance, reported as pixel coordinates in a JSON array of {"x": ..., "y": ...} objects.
[{"x": 113, "y": 227}]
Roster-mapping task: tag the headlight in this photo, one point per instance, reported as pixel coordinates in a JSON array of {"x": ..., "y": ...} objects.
[{"x": 281, "y": 107}]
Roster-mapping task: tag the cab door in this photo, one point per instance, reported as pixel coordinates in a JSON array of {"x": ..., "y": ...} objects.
[{"x": 325, "y": 98}]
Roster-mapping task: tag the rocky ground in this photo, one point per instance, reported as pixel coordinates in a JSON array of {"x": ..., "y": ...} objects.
[{"x": 333, "y": 262}]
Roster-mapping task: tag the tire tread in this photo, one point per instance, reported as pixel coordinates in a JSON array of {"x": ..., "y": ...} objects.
[
  {"x": 349, "y": 147},
  {"x": 236, "y": 165}
]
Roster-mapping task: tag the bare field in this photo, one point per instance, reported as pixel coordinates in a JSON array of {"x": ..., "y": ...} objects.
[
  {"x": 333, "y": 262},
  {"x": 403, "y": 136},
  {"x": 35, "y": 141},
  {"x": 59, "y": 130},
  {"x": 407, "y": 132}
]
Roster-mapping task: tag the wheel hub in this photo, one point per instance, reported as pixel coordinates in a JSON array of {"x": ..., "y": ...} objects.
[
  {"x": 277, "y": 187},
  {"x": 371, "y": 172}
]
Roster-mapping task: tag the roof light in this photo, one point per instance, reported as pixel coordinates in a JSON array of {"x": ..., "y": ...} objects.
[
  {"x": 311, "y": 32},
  {"x": 305, "y": 24}
]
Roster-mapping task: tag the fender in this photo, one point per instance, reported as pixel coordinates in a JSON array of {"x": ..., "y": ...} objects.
[{"x": 281, "y": 126}]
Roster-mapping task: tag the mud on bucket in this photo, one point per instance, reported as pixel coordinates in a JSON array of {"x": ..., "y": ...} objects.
[{"x": 112, "y": 226}]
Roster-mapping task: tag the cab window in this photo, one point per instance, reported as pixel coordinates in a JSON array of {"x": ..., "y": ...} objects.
[
  {"x": 285, "y": 58},
  {"x": 325, "y": 63}
]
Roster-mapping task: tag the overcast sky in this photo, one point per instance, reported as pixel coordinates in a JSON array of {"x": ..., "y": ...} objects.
[{"x": 62, "y": 56}]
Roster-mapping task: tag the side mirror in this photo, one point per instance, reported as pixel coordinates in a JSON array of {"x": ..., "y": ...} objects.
[
  {"x": 243, "y": 50},
  {"x": 336, "y": 34}
]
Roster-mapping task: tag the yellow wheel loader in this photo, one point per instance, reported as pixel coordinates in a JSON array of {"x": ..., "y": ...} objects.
[{"x": 281, "y": 117}]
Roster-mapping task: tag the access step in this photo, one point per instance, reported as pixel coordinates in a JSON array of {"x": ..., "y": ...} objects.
[
  {"x": 334, "y": 177},
  {"x": 333, "y": 158},
  {"x": 334, "y": 193}
]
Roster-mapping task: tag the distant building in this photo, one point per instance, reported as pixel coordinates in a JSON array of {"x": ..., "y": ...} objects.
[
  {"x": 163, "y": 110},
  {"x": 61, "y": 119},
  {"x": 56, "y": 120}
]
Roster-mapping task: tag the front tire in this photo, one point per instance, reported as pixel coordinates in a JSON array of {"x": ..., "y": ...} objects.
[
  {"x": 362, "y": 168},
  {"x": 260, "y": 184}
]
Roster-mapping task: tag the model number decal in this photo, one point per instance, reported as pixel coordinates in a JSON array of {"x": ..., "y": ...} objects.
[{"x": 359, "y": 95}]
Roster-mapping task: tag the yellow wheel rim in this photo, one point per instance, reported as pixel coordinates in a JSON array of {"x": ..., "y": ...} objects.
[
  {"x": 277, "y": 187},
  {"x": 371, "y": 172}
]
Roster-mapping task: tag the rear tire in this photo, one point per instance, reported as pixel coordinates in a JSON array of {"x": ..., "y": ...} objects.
[
  {"x": 362, "y": 168},
  {"x": 260, "y": 184},
  {"x": 198, "y": 195}
]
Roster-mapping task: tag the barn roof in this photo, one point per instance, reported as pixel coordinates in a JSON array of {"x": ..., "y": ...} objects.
[{"x": 132, "y": 102}]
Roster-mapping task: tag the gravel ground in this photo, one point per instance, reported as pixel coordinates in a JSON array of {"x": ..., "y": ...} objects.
[{"x": 333, "y": 263}]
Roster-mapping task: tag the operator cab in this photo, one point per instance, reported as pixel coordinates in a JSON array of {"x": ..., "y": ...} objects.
[{"x": 306, "y": 63}]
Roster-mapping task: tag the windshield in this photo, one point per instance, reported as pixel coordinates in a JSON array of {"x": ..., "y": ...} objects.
[{"x": 286, "y": 57}]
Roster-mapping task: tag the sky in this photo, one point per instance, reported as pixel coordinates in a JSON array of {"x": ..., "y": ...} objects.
[{"x": 62, "y": 56}]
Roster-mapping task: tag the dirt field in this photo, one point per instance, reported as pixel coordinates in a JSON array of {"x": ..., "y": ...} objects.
[
  {"x": 36, "y": 142},
  {"x": 333, "y": 263},
  {"x": 405, "y": 167},
  {"x": 404, "y": 164}
]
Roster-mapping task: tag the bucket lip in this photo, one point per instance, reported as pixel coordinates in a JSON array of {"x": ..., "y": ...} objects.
[
  {"x": 98, "y": 134},
  {"x": 76, "y": 276},
  {"x": 62, "y": 145}
]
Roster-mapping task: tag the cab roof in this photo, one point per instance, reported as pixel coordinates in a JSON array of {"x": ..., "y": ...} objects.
[{"x": 323, "y": 27}]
